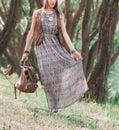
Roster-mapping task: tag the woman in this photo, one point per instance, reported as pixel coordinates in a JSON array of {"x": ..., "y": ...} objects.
[{"x": 61, "y": 74}]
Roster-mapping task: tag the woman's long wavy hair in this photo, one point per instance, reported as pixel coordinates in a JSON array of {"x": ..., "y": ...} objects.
[{"x": 56, "y": 7}]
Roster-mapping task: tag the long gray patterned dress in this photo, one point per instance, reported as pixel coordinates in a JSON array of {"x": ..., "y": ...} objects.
[{"x": 61, "y": 75}]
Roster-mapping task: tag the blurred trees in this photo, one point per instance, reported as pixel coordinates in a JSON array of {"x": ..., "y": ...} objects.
[
  {"x": 98, "y": 27},
  {"x": 90, "y": 22},
  {"x": 16, "y": 23},
  {"x": 13, "y": 16},
  {"x": 107, "y": 26}
]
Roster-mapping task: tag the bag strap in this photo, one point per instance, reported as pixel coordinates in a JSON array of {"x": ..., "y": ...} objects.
[
  {"x": 23, "y": 64},
  {"x": 15, "y": 92}
]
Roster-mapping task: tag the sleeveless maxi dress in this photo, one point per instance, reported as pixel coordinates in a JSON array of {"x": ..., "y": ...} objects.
[{"x": 61, "y": 75}]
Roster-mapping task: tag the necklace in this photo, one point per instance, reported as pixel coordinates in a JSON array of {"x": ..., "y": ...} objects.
[{"x": 50, "y": 17}]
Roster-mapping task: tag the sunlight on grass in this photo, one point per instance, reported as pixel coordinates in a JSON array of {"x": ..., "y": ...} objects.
[{"x": 30, "y": 112}]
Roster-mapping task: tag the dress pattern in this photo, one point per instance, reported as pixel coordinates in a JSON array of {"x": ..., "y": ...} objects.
[{"x": 61, "y": 75}]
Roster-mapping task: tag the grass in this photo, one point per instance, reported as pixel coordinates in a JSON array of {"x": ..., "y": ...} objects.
[{"x": 30, "y": 112}]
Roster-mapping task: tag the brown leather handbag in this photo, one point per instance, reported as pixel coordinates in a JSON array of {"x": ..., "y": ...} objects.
[{"x": 27, "y": 81}]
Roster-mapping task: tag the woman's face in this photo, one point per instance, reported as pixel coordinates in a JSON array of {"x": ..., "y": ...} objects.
[{"x": 51, "y": 3}]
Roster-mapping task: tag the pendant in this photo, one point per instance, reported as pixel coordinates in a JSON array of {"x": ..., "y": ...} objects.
[{"x": 50, "y": 18}]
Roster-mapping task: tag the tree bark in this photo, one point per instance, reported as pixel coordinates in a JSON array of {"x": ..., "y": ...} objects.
[
  {"x": 39, "y": 3},
  {"x": 91, "y": 59},
  {"x": 76, "y": 18},
  {"x": 85, "y": 34},
  {"x": 68, "y": 15},
  {"x": 114, "y": 57},
  {"x": 98, "y": 79},
  {"x": 13, "y": 16}
]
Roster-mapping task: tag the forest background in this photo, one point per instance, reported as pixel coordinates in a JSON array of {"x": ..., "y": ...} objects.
[{"x": 92, "y": 26}]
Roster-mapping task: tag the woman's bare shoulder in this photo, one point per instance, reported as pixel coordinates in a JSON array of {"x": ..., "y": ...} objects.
[
  {"x": 61, "y": 16},
  {"x": 36, "y": 12}
]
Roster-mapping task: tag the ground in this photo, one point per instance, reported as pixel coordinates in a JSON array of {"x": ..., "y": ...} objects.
[{"x": 30, "y": 112}]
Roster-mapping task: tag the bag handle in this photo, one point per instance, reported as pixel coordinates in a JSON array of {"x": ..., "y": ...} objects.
[{"x": 23, "y": 64}]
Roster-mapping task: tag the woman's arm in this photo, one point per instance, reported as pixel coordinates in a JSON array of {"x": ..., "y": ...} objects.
[
  {"x": 67, "y": 39},
  {"x": 30, "y": 36},
  {"x": 65, "y": 34}
]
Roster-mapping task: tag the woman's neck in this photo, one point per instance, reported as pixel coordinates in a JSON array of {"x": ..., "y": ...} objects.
[{"x": 49, "y": 9}]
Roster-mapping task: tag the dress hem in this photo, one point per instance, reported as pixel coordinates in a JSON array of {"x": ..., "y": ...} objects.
[{"x": 82, "y": 95}]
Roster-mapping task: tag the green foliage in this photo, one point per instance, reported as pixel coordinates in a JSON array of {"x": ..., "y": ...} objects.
[
  {"x": 78, "y": 37},
  {"x": 4, "y": 61},
  {"x": 23, "y": 24},
  {"x": 26, "y": 7},
  {"x": 74, "y": 4},
  {"x": 6, "y": 5},
  {"x": 116, "y": 39},
  {"x": 113, "y": 83},
  {"x": 25, "y": 16},
  {"x": 113, "y": 79}
]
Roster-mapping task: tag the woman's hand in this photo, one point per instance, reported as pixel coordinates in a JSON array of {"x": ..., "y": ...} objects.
[
  {"x": 77, "y": 55},
  {"x": 24, "y": 57}
]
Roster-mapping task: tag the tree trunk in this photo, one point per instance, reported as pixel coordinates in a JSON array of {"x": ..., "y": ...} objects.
[
  {"x": 39, "y": 3},
  {"x": 98, "y": 79},
  {"x": 85, "y": 34},
  {"x": 68, "y": 15},
  {"x": 76, "y": 18},
  {"x": 13, "y": 16}
]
